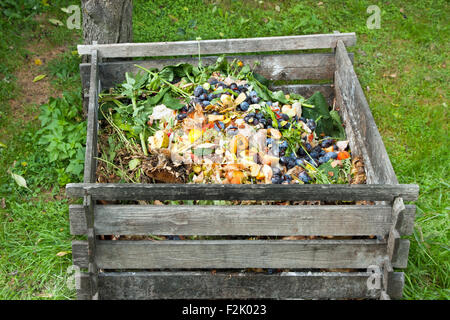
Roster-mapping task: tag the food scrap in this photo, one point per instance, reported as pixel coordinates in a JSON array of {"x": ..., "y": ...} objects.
[{"x": 220, "y": 124}]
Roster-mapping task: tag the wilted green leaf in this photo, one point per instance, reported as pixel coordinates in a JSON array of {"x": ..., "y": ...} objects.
[
  {"x": 279, "y": 96},
  {"x": 19, "y": 180},
  {"x": 171, "y": 102},
  {"x": 134, "y": 163},
  {"x": 56, "y": 22},
  {"x": 39, "y": 77},
  {"x": 203, "y": 151}
]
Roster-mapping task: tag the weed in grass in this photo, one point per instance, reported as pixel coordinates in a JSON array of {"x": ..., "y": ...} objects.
[{"x": 65, "y": 71}]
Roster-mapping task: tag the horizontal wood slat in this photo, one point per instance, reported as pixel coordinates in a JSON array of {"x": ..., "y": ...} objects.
[
  {"x": 235, "y": 220},
  {"x": 206, "y": 254},
  {"x": 78, "y": 221},
  {"x": 183, "y": 48},
  {"x": 314, "y": 66},
  {"x": 221, "y": 285},
  {"x": 136, "y": 191}
]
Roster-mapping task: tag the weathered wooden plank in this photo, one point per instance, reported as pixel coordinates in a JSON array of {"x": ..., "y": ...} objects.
[
  {"x": 394, "y": 236},
  {"x": 406, "y": 220},
  {"x": 183, "y": 48},
  {"x": 400, "y": 256},
  {"x": 77, "y": 219},
  {"x": 393, "y": 282},
  {"x": 313, "y": 66},
  {"x": 90, "y": 163},
  {"x": 362, "y": 121},
  {"x": 91, "y": 241},
  {"x": 84, "y": 286},
  {"x": 135, "y": 191},
  {"x": 397, "y": 248},
  {"x": 358, "y": 145},
  {"x": 235, "y": 220},
  {"x": 352, "y": 134},
  {"x": 90, "y": 167},
  {"x": 80, "y": 253},
  {"x": 388, "y": 272},
  {"x": 225, "y": 285},
  {"x": 395, "y": 286},
  {"x": 236, "y": 254}
]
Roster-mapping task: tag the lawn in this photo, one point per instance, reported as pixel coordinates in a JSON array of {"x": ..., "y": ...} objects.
[{"x": 402, "y": 68}]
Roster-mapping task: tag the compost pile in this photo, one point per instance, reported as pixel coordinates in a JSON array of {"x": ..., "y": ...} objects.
[{"x": 219, "y": 124}]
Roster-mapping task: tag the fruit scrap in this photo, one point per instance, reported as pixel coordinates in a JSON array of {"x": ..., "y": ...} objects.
[
  {"x": 343, "y": 155},
  {"x": 232, "y": 129}
]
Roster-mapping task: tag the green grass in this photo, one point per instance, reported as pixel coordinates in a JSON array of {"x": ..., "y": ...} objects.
[
  {"x": 33, "y": 233},
  {"x": 34, "y": 224},
  {"x": 402, "y": 68}
]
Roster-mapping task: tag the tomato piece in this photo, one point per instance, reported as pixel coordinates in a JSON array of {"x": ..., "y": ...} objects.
[{"x": 343, "y": 155}]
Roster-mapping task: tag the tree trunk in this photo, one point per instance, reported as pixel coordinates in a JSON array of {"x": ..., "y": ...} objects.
[{"x": 107, "y": 21}]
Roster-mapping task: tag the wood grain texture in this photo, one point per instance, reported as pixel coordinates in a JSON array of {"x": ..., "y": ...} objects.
[
  {"x": 352, "y": 134},
  {"x": 205, "y": 254},
  {"x": 78, "y": 221},
  {"x": 88, "y": 205},
  {"x": 400, "y": 256},
  {"x": 313, "y": 66},
  {"x": 184, "y": 48},
  {"x": 221, "y": 285},
  {"x": 360, "y": 118},
  {"x": 393, "y": 241},
  {"x": 236, "y": 220},
  {"x": 136, "y": 191},
  {"x": 406, "y": 220},
  {"x": 396, "y": 284},
  {"x": 90, "y": 163},
  {"x": 80, "y": 253}
]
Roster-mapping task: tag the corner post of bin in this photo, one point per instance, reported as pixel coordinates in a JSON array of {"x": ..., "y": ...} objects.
[
  {"x": 367, "y": 142},
  {"x": 396, "y": 255},
  {"x": 90, "y": 169}
]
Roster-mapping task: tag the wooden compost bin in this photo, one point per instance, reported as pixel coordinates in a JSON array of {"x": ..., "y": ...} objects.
[{"x": 120, "y": 269}]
